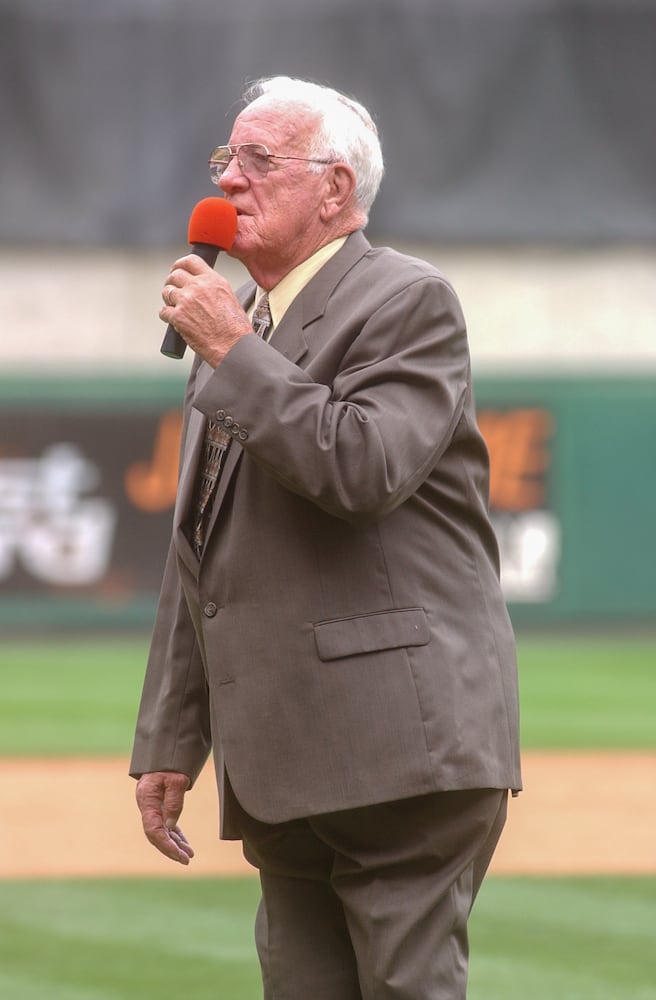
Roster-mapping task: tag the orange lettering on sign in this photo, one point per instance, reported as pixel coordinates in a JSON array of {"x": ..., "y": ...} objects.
[
  {"x": 151, "y": 486},
  {"x": 519, "y": 456}
]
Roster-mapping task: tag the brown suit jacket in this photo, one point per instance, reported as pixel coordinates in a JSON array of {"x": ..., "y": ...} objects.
[{"x": 344, "y": 639}]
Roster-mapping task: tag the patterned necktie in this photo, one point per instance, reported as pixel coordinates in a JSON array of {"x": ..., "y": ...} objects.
[
  {"x": 262, "y": 317},
  {"x": 216, "y": 444}
]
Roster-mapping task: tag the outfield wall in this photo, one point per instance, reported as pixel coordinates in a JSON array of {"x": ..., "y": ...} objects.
[{"x": 88, "y": 473}]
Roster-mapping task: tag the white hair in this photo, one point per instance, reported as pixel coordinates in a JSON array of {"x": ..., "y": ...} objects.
[{"x": 346, "y": 132}]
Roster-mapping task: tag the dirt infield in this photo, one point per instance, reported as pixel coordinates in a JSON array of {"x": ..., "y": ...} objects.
[{"x": 580, "y": 813}]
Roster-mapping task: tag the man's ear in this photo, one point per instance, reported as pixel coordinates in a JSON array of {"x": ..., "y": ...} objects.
[{"x": 340, "y": 188}]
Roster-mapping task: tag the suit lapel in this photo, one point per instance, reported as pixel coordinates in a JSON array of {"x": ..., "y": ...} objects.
[
  {"x": 192, "y": 452},
  {"x": 190, "y": 456},
  {"x": 245, "y": 294},
  {"x": 291, "y": 335}
]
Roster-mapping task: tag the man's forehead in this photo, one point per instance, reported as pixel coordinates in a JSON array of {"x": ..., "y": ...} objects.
[{"x": 271, "y": 123}]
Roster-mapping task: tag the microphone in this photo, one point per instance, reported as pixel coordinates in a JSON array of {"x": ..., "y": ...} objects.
[{"x": 212, "y": 227}]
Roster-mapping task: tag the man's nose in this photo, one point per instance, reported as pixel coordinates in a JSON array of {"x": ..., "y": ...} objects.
[{"x": 233, "y": 176}]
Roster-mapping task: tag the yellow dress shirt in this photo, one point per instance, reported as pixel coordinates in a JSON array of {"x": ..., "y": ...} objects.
[{"x": 284, "y": 293}]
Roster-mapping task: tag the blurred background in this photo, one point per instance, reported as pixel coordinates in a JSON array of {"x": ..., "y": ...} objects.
[{"x": 520, "y": 158}]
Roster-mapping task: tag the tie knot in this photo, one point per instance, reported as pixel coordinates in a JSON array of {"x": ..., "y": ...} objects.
[{"x": 262, "y": 317}]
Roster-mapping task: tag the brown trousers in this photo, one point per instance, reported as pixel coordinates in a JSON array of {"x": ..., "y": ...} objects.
[{"x": 373, "y": 903}]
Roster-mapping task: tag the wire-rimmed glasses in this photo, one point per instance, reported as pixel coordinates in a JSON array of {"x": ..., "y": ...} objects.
[{"x": 254, "y": 160}]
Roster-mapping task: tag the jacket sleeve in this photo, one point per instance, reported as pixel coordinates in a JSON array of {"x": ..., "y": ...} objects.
[
  {"x": 359, "y": 438},
  {"x": 173, "y": 723}
]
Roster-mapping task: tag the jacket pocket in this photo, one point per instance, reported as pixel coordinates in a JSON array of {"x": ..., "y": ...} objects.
[{"x": 371, "y": 633}]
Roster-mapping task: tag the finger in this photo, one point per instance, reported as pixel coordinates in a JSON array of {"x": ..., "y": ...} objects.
[
  {"x": 171, "y": 843},
  {"x": 191, "y": 264},
  {"x": 168, "y": 295},
  {"x": 166, "y": 315},
  {"x": 171, "y": 847},
  {"x": 181, "y": 842}
]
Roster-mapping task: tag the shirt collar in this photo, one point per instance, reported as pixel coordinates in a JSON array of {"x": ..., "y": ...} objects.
[{"x": 284, "y": 293}]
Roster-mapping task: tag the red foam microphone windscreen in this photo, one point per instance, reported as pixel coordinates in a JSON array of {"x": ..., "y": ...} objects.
[{"x": 213, "y": 221}]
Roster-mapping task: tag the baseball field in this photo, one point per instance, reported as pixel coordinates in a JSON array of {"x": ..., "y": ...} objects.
[{"x": 91, "y": 912}]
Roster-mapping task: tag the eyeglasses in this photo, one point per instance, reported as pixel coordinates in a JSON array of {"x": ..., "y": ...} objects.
[{"x": 253, "y": 158}]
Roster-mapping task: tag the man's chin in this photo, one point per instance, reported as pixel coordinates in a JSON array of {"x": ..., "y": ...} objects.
[
  {"x": 243, "y": 248},
  {"x": 237, "y": 250}
]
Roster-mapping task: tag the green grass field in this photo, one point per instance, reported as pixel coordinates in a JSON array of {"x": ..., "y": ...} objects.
[
  {"x": 132, "y": 939},
  {"x": 543, "y": 939}
]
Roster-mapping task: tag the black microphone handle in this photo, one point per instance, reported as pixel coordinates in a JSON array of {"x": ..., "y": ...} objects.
[{"x": 173, "y": 345}]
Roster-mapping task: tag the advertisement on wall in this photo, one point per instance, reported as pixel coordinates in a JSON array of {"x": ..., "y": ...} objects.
[
  {"x": 528, "y": 530},
  {"x": 86, "y": 501},
  {"x": 88, "y": 481}
]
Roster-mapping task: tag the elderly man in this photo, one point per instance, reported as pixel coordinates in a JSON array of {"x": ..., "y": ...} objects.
[{"x": 331, "y": 623}]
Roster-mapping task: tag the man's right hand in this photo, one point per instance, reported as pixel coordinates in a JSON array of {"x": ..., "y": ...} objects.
[{"x": 160, "y": 797}]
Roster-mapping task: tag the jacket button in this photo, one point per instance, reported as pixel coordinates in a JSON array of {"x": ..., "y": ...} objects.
[
  {"x": 220, "y": 415},
  {"x": 243, "y": 435},
  {"x": 210, "y": 609},
  {"x": 228, "y": 421},
  {"x": 235, "y": 428}
]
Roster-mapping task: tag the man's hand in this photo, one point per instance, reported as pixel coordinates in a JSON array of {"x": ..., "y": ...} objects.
[
  {"x": 160, "y": 797},
  {"x": 203, "y": 308}
]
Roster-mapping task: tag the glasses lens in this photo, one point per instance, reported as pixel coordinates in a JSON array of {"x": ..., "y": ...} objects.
[
  {"x": 254, "y": 159},
  {"x": 219, "y": 160}
]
